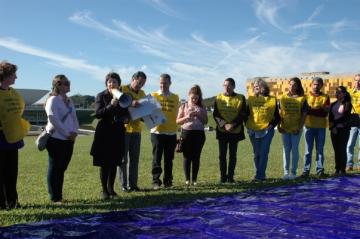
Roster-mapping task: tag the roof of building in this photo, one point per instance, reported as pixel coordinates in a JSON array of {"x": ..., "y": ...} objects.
[{"x": 32, "y": 96}]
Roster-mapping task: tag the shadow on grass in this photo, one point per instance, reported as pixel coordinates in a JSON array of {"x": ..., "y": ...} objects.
[{"x": 145, "y": 198}]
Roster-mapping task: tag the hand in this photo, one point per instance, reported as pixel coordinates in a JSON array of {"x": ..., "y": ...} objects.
[
  {"x": 114, "y": 102},
  {"x": 72, "y": 136},
  {"x": 229, "y": 127},
  {"x": 135, "y": 103}
]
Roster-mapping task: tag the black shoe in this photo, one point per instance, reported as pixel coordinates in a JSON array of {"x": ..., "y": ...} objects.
[
  {"x": 134, "y": 189},
  {"x": 305, "y": 175},
  {"x": 168, "y": 184},
  {"x": 105, "y": 195},
  {"x": 113, "y": 194},
  {"x": 321, "y": 174},
  {"x": 222, "y": 180},
  {"x": 12, "y": 205},
  {"x": 124, "y": 189},
  {"x": 231, "y": 180}
]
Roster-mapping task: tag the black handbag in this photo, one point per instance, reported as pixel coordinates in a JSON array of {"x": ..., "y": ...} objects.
[{"x": 179, "y": 144}]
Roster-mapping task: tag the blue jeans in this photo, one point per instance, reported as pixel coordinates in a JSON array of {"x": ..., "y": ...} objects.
[
  {"x": 354, "y": 135},
  {"x": 318, "y": 135},
  {"x": 131, "y": 157},
  {"x": 261, "y": 147},
  {"x": 291, "y": 145}
]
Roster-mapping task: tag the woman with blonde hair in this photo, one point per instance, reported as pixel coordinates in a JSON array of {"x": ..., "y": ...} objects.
[
  {"x": 192, "y": 117},
  {"x": 263, "y": 118},
  {"x": 63, "y": 126}
]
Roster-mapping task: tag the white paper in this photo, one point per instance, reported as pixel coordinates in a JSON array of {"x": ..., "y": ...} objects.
[{"x": 150, "y": 110}]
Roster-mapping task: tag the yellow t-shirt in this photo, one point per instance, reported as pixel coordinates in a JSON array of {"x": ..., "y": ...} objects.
[
  {"x": 169, "y": 105},
  {"x": 355, "y": 100},
  {"x": 12, "y": 107},
  {"x": 262, "y": 109},
  {"x": 229, "y": 108},
  {"x": 290, "y": 112},
  {"x": 134, "y": 126},
  {"x": 315, "y": 102}
]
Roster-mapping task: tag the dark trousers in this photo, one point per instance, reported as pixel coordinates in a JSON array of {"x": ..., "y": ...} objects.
[
  {"x": 107, "y": 178},
  {"x": 8, "y": 178},
  {"x": 339, "y": 142},
  {"x": 59, "y": 152},
  {"x": 163, "y": 144},
  {"x": 193, "y": 143},
  {"x": 223, "y": 147}
]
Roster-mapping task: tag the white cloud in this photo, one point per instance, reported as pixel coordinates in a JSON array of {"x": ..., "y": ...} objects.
[
  {"x": 162, "y": 7},
  {"x": 199, "y": 61},
  {"x": 61, "y": 60},
  {"x": 335, "y": 45},
  {"x": 267, "y": 11}
]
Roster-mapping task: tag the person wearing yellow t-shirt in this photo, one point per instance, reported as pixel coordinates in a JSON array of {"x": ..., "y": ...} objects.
[
  {"x": 293, "y": 109},
  {"x": 355, "y": 129},
  {"x": 13, "y": 129},
  {"x": 316, "y": 123},
  {"x": 263, "y": 116},
  {"x": 130, "y": 164},
  {"x": 230, "y": 115},
  {"x": 163, "y": 136}
]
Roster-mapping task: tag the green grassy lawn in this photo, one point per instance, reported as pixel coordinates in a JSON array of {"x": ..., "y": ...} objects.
[{"x": 82, "y": 184}]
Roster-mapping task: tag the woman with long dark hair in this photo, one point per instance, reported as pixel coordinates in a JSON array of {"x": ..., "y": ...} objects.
[
  {"x": 293, "y": 109},
  {"x": 192, "y": 117},
  {"x": 339, "y": 116}
]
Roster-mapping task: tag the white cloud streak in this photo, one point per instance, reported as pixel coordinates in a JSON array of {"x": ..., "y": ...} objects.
[
  {"x": 208, "y": 63},
  {"x": 267, "y": 12},
  {"x": 162, "y": 7},
  {"x": 58, "y": 59}
]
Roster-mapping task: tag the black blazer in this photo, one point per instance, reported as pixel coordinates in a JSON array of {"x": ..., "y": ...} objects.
[{"x": 108, "y": 145}]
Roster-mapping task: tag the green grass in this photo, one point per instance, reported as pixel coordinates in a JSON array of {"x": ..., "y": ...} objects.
[{"x": 82, "y": 184}]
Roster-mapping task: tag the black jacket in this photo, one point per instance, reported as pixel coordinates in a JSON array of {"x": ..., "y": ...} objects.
[{"x": 108, "y": 145}]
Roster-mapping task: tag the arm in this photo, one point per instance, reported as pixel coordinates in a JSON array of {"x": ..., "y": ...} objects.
[
  {"x": 276, "y": 118},
  {"x": 181, "y": 117},
  {"x": 103, "y": 107},
  {"x": 321, "y": 112},
  {"x": 220, "y": 122}
]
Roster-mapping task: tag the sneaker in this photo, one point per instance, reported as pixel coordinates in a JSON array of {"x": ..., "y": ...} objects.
[
  {"x": 194, "y": 183},
  {"x": 57, "y": 202},
  {"x": 231, "y": 180},
  {"x": 321, "y": 174},
  {"x": 124, "y": 189},
  {"x": 113, "y": 194},
  {"x": 292, "y": 177},
  {"x": 187, "y": 183},
  {"x": 156, "y": 186},
  {"x": 168, "y": 184},
  {"x": 286, "y": 177},
  {"x": 349, "y": 168}
]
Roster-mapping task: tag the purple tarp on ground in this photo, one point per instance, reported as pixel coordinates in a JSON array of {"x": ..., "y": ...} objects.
[{"x": 320, "y": 209}]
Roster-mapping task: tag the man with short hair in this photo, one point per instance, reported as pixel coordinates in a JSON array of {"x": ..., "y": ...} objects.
[
  {"x": 129, "y": 174},
  {"x": 316, "y": 123},
  {"x": 163, "y": 136},
  {"x": 355, "y": 129}
]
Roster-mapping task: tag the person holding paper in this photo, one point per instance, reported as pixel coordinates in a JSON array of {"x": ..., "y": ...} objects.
[
  {"x": 230, "y": 115},
  {"x": 129, "y": 175},
  {"x": 108, "y": 145},
  {"x": 192, "y": 117},
  {"x": 163, "y": 136},
  {"x": 13, "y": 129}
]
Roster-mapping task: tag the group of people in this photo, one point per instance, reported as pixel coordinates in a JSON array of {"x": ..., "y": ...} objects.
[{"x": 117, "y": 139}]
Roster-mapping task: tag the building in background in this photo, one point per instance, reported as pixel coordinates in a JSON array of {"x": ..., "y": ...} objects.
[{"x": 280, "y": 85}]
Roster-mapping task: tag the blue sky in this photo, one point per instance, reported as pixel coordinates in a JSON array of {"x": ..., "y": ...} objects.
[{"x": 195, "y": 41}]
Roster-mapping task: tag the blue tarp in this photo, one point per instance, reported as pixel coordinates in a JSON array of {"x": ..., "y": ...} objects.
[{"x": 327, "y": 208}]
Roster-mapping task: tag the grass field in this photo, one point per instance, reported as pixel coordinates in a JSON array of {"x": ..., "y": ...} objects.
[{"x": 82, "y": 184}]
